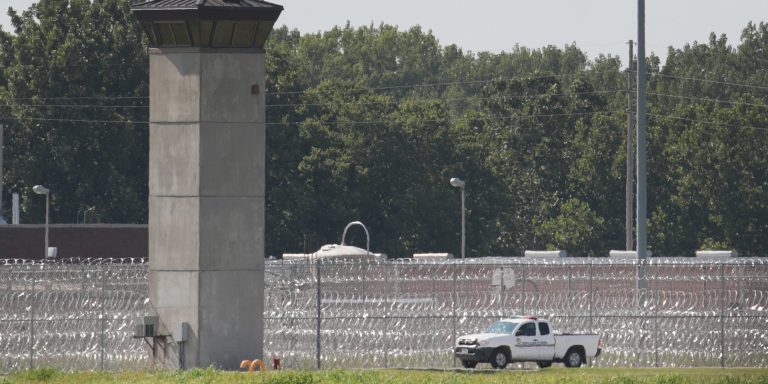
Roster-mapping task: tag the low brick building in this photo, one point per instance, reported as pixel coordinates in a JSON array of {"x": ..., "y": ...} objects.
[{"x": 27, "y": 241}]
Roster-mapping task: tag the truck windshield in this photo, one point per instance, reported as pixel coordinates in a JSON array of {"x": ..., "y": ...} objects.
[{"x": 501, "y": 327}]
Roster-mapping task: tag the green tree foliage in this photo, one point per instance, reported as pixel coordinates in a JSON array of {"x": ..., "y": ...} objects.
[
  {"x": 539, "y": 136},
  {"x": 380, "y": 161},
  {"x": 369, "y": 123},
  {"x": 64, "y": 64},
  {"x": 576, "y": 228},
  {"x": 707, "y": 174}
]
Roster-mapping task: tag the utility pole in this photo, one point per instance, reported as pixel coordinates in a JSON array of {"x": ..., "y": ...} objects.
[
  {"x": 630, "y": 188},
  {"x": 642, "y": 245},
  {"x": 2, "y": 221}
]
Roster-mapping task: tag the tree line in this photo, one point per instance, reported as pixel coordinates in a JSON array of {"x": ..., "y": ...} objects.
[{"x": 370, "y": 123}]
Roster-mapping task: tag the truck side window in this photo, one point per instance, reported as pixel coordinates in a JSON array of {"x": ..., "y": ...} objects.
[
  {"x": 527, "y": 329},
  {"x": 544, "y": 328}
]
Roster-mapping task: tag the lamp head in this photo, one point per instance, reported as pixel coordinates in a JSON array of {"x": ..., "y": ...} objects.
[
  {"x": 40, "y": 190},
  {"x": 456, "y": 182}
]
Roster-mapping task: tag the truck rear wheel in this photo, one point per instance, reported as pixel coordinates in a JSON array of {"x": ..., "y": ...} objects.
[
  {"x": 499, "y": 359},
  {"x": 573, "y": 358}
]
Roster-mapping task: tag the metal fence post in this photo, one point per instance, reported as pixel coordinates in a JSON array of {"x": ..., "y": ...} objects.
[
  {"x": 502, "y": 290},
  {"x": 591, "y": 296},
  {"x": 722, "y": 314},
  {"x": 522, "y": 266},
  {"x": 454, "y": 310},
  {"x": 102, "y": 314},
  {"x": 739, "y": 280},
  {"x": 293, "y": 275},
  {"x": 32, "y": 325},
  {"x": 591, "y": 304},
  {"x": 317, "y": 346},
  {"x": 434, "y": 319},
  {"x": 656, "y": 302},
  {"x": 386, "y": 319},
  {"x": 569, "y": 312}
]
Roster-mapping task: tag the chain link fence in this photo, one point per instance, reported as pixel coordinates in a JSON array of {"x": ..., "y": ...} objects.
[
  {"x": 667, "y": 312},
  {"x": 72, "y": 314}
]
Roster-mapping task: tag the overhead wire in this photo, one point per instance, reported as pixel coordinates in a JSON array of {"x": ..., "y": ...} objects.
[
  {"x": 765, "y": 88},
  {"x": 424, "y": 85},
  {"x": 708, "y": 122},
  {"x": 338, "y": 91},
  {"x": 511, "y": 117},
  {"x": 439, "y": 84},
  {"x": 73, "y": 120},
  {"x": 720, "y": 82},
  {"x": 342, "y": 122},
  {"x": 452, "y": 99},
  {"x": 73, "y": 106},
  {"x": 331, "y": 122},
  {"x": 347, "y": 90},
  {"x": 707, "y": 99},
  {"x": 81, "y": 98}
]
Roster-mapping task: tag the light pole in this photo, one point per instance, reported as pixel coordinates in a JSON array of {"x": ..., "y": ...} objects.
[
  {"x": 458, "y": 183},
  {"x": 40, "y": 190}
]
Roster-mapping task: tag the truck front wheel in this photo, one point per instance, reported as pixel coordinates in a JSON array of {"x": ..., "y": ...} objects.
[
  {"x": 573, "y": 358},
  {"x": 468, "y": 364},
  {"x": 499, "y": 359}
]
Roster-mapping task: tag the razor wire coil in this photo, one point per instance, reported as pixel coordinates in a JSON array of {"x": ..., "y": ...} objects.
[{"x": 668, "y": 312}]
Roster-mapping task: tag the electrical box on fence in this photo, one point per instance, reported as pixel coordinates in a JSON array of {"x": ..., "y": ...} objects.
[{"x": 182, "y": 332}]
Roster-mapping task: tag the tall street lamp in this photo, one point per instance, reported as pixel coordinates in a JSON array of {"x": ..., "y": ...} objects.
[
  {"x": 458, "y": 183},
  {"x": 40, "y": 190}
]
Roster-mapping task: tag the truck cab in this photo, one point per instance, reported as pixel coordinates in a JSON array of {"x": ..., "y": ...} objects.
[{"x": 524, "y": 338}]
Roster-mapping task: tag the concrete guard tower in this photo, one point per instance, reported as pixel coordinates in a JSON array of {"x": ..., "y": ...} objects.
[{"x": 206, "y": 175}]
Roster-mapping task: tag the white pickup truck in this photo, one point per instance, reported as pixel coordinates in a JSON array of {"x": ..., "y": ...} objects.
[{"x": 525, "y": 338}]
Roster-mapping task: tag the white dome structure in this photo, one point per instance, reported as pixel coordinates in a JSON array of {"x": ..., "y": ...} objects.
[{"x": 340, "y": 251}]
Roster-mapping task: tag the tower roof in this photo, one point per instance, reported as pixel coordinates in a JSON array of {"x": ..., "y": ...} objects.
[
  {"x": 206, "y": 23},
  {"x": 206, "y": 10}
]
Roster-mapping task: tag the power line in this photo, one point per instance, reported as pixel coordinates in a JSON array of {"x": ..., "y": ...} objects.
[
  {"x": 350, "y": 90},
  {"x": 658, "y": 74},
  {"x": 712, "y": 81},
  {"x": 82, "y": 98},
  {"x": 708, "y": 100},
  {"x": 331, "y": 122},
  {"x": 342, "y": 122},
  {"x": 73, "y": 120},
  {"x": 502, "y": 97},
  {"x": 73, "y": 106},
  {"x": 708, "y": 122},
  {"x": 407, "y": 86},
  {"x": 453, "y": 99}
]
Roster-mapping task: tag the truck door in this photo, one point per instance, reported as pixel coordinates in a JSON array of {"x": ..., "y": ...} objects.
[
  {"x": 546, "y": 342},
  {"x": 525, "y": 342}
]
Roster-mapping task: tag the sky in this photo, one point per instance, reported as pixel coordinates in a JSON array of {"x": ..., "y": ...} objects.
[{"x": 596, "y": 26}]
